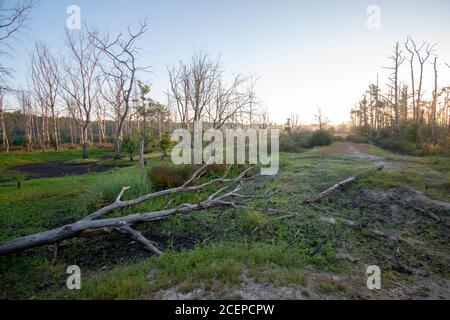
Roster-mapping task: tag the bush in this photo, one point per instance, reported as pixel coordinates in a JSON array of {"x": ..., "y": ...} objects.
[
  {"x": 406, "y": 146},
  {"x": 320, "y": 138},
  {"x": 165, "y": 144},
  {"x": 297, "y": 142},
  {"x": 19, "y": 141},
  {"x": 130, "y": 146},
  {"x": 151, "y": 144},
  {"x": 172, "y": 176}
]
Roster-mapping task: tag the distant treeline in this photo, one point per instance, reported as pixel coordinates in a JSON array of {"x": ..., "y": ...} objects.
[{"x": 397, "y": 115}]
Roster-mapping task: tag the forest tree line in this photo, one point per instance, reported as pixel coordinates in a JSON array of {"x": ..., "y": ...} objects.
[
  {"x": 398, "y": 115},
  {"x": 92, "y": 92}
]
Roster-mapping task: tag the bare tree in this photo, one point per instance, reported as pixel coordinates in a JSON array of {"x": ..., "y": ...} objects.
[
  {"x": 422, "y": 58},
  {"x": 227, "y": 196},
  {"x": 44, "y": 78},
  {"x": 229, "y": 101},
  {"x": 5, "y": 140},
  {"x": 12, "y": 20},
  {"x": 194, "y": 86},
  {"x": 295, "y": 120},
  {"x": 179, "y": 91},
  {"x": 122, "y": 53},
  {"x": 26, "y": 106},
  {"x": 201, "y": 93},
  {"x": 397, "y": 59},
  {"x": 434, "y": 103},
  {"x": 321, "y": 119},
  {"x": 80, "y": 81},
  {"x": 144, "y": 90},
  {"x": 101, "y": 112},
  {"x": 263, "y": 118},
  {"x": 411, "y": 65},
  {"x": 111, "y": 92}
]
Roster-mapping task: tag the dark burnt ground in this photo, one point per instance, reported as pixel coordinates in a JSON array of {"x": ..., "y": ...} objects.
[{"x": 55, "y": 169}]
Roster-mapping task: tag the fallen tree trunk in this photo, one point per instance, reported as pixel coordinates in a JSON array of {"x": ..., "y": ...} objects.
[
  {"x": 124, "y": 224},
  {"x": 335, "y": 188}
]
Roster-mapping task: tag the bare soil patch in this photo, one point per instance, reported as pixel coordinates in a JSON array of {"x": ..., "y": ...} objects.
[{"x": 55, "y": 169}]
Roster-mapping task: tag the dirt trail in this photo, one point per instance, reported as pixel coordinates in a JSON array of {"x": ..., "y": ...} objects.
[{"x": 360, "y": 152}]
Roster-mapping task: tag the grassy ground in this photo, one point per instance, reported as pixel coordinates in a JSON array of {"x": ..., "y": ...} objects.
[{"x": 253, "y": 253}]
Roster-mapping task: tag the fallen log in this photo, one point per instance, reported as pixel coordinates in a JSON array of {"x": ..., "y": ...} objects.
[
  {"x": 336, "y": 187},
  {"x": 223, "y": 197}
]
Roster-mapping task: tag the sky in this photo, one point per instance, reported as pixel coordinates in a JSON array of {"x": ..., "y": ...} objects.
[{"x": 306, "y": 54}]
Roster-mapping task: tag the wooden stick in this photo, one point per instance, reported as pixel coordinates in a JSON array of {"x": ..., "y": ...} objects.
[
  {"x": 139, "y": 237},
  {"x": 81, "y": 227},
  {"x": 336, "y": 187}
]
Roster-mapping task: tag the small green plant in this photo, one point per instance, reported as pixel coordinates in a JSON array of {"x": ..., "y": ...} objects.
[
  {"x": 164, "y": 144},
  {"x": 130, "y": 146}
]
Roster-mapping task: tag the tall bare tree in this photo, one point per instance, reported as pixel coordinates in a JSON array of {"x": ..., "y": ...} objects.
[
  {"x": 80, "y": 81},
  {"x": 26, "y": 106},
  {"x": 231, "y": 100},
  {"x": 423, "y": 53},
  {"x": 44, "y": 78},
  {"x": 434, "y": 103},
  {"x": 410, "y": 48},
  {"x": 397, "y": 59},
  {"x": 194, "y": 85},
  {"x": 5, "y": 140},
  {"x": 200, "y": 92},
  {"x": 321, "y": 119},
  {"x": 122, "y": 53}
]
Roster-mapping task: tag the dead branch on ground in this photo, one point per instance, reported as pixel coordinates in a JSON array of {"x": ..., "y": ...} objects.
[
  {"x": 227, "y": 196},
  {"x": 335, "y": 188}
]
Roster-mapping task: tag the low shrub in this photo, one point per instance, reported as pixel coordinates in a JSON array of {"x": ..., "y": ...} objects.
[
  {"x": 130, "y": 146},
  {"x": 320, "y": 138},
  {"x": 164, "y": 144},
  {"x": 296, "y": 142},
  {"x": 172, "y": 176},
  {"x": 19, "y": 140}
]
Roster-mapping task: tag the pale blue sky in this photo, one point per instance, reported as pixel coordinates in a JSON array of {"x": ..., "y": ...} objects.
[{"x": 305, "y": 54}]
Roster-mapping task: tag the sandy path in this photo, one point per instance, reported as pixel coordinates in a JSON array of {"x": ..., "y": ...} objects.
[{"x": 359, "y": 151}]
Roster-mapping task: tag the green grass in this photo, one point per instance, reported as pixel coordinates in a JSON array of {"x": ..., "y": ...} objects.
[
  {"x": 212, "y": 268},
  {"x": 21, "y": 158},
  {"x": 216, "y": 248}
]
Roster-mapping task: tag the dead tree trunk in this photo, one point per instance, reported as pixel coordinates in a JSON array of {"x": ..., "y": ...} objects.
[
  {"x": 2, "y": 123},
  {"x": 227, "y": 196},
  {"x": 434, "y": 104}
]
